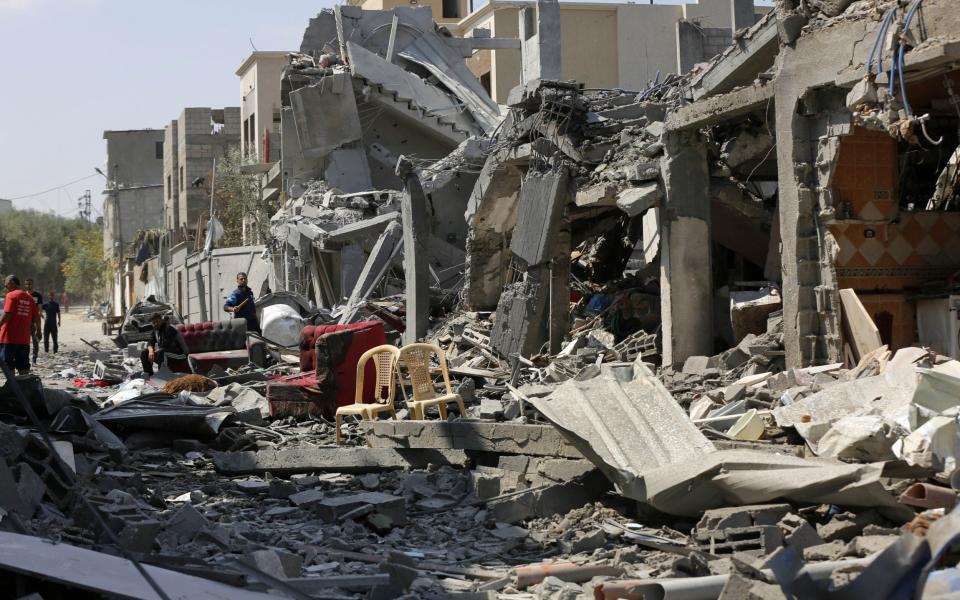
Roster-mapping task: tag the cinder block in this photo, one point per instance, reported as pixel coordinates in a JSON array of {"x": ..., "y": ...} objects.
[{"x": 758, "y": 540}]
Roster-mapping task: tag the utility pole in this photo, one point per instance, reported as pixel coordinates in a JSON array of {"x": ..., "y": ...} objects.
[
  {"x": 123, "y": 266},
  {"x": 113, "y": 189},
  {"x": 84, "y": 206}
]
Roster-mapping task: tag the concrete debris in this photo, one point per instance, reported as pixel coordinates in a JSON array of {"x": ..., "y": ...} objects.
[{"x": 702, "y": 330}]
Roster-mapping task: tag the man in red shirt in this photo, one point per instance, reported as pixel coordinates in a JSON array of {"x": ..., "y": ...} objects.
[{"x": 20, "y": 320}]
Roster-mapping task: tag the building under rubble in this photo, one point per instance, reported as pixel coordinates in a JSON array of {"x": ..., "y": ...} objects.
[
  {"x": 695, "y": 207},
  {"x": 774, "y": 226}
]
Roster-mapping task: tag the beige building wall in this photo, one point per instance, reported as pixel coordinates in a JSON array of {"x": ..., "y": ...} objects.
[
  {"x": 457, "y": 9},
  {"x": 647, "y": 40},
  {"x": 585, "y": 54},
  {"x": 709, "y": 13},
  {"x": 260, "y": 97},
  {"x": 602, "y": 45},
  {"x": 505, "y": 71}
]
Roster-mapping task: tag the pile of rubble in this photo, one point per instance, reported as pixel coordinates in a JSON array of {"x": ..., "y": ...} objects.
[
  {"x": 534, "y": 483},
  {"x": 524, "y": 245}
]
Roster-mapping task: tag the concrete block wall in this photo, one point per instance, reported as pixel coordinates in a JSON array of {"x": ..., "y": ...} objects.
[
  {"x": 198, "y": 143},
  {"x": 231, "y": 122}
]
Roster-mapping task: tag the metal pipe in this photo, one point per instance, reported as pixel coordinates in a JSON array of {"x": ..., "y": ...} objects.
[
  {"x": 528, "y": 575},
  {"x": 702, "y": 588}
]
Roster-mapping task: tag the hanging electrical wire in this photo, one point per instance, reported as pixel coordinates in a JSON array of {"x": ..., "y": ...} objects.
[{"x": 47, "y": 191}]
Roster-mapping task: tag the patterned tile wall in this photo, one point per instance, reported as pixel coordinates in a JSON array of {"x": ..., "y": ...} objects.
[{"x": 865, "y": 178}]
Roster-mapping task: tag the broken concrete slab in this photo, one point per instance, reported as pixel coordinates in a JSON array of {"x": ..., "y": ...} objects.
[
  {"x": 342, "y": 460},
  {"x": 743, "y": 516},
  {"x": 636, "y": 200},
  {"x": 276, "y": 563},
  {"x": 334, "y": 508},
  {"x": 596, "y": 196},
  {"x": 312, "y": 107},
  {"x": 548, "y": 501},
  {"x": 543, "y": 200},
  {"x": 502, "y": 438}
]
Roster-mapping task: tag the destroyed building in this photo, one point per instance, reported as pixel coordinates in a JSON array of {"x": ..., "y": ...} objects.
[{"x": 689, "y": 341}]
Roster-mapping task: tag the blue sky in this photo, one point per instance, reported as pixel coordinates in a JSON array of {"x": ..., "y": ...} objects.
[{"x": 74, "y": 68}]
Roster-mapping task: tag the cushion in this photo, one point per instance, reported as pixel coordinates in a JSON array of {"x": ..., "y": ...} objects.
[
  {"x": 338, "y": 352},
  {"x": 308, "y": 340},
  {"x": 215, "y": 336},
  {"x": 202, "y": 362}
]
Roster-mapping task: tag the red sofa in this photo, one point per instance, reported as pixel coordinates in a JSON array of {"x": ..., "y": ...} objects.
[
  {"x": 212, "y": 343},
  {"x": 328, "y": 370}
]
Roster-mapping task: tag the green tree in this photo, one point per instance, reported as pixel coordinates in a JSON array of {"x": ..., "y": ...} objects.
[
  {"x": 35, "y": 245},
  {"x": 238, "y": 199},
  {"x": 84, "y": 267}
]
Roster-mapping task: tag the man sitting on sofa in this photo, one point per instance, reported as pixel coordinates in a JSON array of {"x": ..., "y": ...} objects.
[{"x": 166, "y": 342}]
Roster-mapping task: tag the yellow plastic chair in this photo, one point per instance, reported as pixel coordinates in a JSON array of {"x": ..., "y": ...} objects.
[
  {"x": 415, "y": 359},
  {"x": 385, "y": 360}
]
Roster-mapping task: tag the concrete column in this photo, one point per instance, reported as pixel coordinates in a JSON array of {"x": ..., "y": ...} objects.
[
  {"x": 352, "y": 260},
  {"x": 560, "y": 289},
  {"x": 686, "y": 275},
  {"x": 416, "y": 253},
  {"x": 540, "y": 36},
  {"x": 374, "y": 269}
]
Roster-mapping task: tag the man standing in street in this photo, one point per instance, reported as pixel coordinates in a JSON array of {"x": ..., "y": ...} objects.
[
  {"x": 51, "y": 323},
  {"x": 38, "y": 298},
  {"x": 240, "y": 303},
  {"x": 20, "y": 320},
  {"x": 166, "y": 343}
]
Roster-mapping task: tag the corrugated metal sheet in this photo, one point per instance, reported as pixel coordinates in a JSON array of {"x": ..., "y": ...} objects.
[
  {"x": 631, "y": 428},
  {"x": 626, "y": 423}
]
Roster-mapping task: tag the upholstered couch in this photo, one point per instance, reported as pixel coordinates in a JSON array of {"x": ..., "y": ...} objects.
[
  {"x": 328, "y": 369},
  {"x": 211, "y": 343}
]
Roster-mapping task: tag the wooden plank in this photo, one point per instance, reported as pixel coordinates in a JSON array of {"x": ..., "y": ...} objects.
[{"x": 860, "y": 330}]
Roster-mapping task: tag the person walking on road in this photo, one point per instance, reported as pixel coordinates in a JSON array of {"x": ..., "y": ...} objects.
[
  {"x": 166, "y": 343},
  {"x": 240, "y": 303},
  {"x": 51, "y": 323},
  {"x": 20, "y": 322},
  {"x": 38, "y": 298}
]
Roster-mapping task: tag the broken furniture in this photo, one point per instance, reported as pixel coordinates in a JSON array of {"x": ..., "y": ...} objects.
[
  {"x": 416, "y": 360},
  {"x": 328, "y": 362},
  {"x": 212, "y": 343},
  {"x": 385, "y": 362},
  {"x": 136, "y": 325}
]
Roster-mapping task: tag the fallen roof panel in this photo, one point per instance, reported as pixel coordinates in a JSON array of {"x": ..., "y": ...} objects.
[{"x": 627, "y": 424}]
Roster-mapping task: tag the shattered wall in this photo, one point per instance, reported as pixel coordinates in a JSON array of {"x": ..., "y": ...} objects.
[{"x": 816, "y": 121}]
